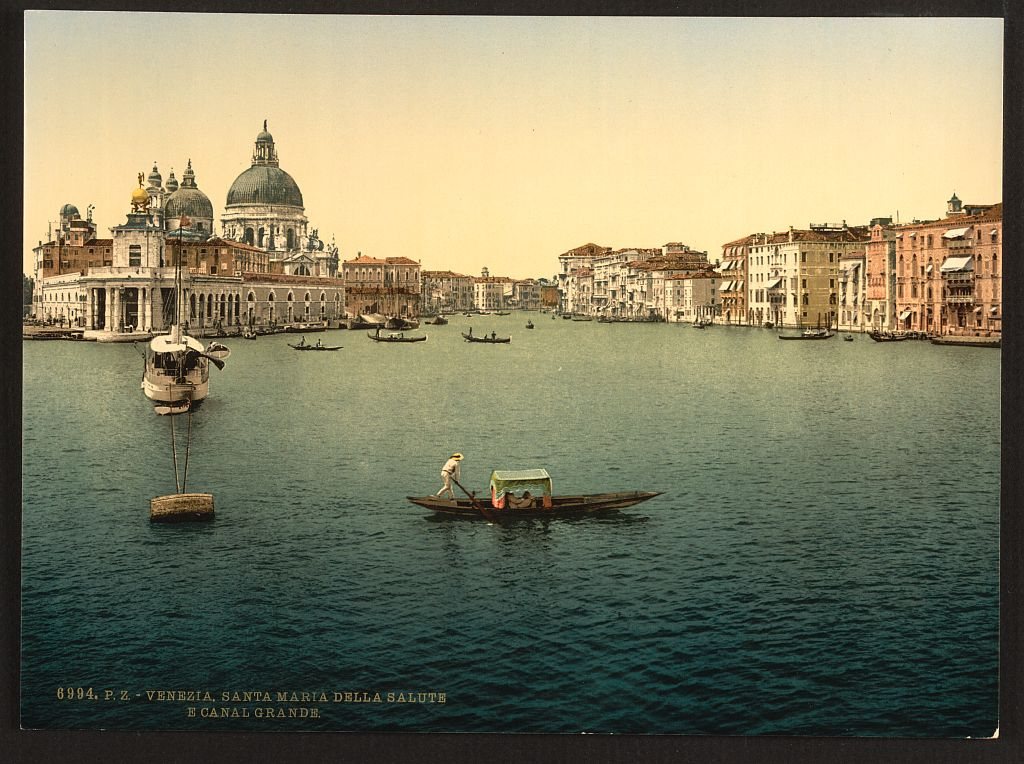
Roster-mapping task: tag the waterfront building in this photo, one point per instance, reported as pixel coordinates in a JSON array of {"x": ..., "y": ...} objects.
[
  {"x": 735, "y": 283},
  {"x": 800, "y": 271},
  {"x": 525, "y": 294},
  {"x": 126, "y": 283},
  {"x": 492, "y": 292},
  {"x": 614, "y": 293},
  {"x": 389, "y": 285},
  {"x": 852, "y": 299},
  {"x": 446, "y": 291},
  {"x": 581, "y": 258},
  {"x": 653, "y": 283},
  {"x": 880, "y": 275},
  {"x": 264, "y": 208},
  {"x": 549, "y": 294},
  {"x": 949, "y": 271},
  {"x": 692, "y": 296}
]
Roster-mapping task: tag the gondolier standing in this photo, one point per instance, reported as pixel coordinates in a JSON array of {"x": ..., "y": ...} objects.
[{"x": 449, "y": 471}]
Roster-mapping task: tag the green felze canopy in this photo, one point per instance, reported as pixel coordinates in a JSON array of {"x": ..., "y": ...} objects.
[{"x": 538, "y": 482}]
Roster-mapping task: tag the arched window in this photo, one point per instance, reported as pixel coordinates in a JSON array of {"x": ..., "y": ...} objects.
[
  {"x": 291, "y": 297},
  {"x": 248, "y": 236},
  {"x": 291, "y": 238},
  {"x": 259, "y": 237},
  {"x": 270, "y": 298},
  {"x": 306, "y": 298},
  {"x": 192, "y": 307}
]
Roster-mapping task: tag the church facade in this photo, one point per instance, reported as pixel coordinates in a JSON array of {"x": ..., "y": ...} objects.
[{"x": 267, "y": 267}]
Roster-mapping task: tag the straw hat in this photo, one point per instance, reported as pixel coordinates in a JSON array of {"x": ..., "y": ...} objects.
[{"x": 456, "y": 456}]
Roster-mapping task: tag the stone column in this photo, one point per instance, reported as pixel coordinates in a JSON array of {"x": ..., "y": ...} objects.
[{"x": 108, "y": 308}]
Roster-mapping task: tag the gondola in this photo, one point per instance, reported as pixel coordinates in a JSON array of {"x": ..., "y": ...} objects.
[
  {"x": 561, "y": 506},
  {"x": 438, "y": 321},
  {"x": 510, "y": 497},
  {"x": 492, "y": 340},
  {"x": 314, "y": 347},
  {"x": 395, "y": 338},
  {"x": 878, "y": 336},
  {"x": 809, "y": 334},
  {"x": 529, "y": 324}
]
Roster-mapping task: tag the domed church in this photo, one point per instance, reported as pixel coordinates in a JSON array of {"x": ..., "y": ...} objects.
[{"x": 264, "y": 209}]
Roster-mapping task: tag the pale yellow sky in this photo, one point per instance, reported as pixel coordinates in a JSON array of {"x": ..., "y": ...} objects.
[{"x": 466, "y": 142}]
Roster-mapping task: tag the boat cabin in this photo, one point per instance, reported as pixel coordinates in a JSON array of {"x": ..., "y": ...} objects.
[{"x": 520, "y": 489}]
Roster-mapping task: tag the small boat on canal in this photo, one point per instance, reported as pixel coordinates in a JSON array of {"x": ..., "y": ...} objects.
[
  {"x": 304, "y": 346},
  {"x": 438, "y": 321},
  {"x": 529, "y": 494},
  {"x": 809, "y": 334},
  {"x": 529, "y": 324},
  {"x": 395, "y": 338},
  {"x": 493, "y": 339}
]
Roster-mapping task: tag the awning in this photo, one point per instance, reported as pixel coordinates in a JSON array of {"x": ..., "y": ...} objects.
[
  {"x": 953, "y": 264},
  {"x": 775, "y": 284},
  {"x": 993, "y": 232},
  {"x": 978, "y": 309},
  {"x": 739, "y": 284},
  {"x": 898, "y": 236},
  {"x": 726, "y": 286},
  {"x": 913, "y": 233},
  {"x": 954, "y": 233},
  {"x": 904, "y": 315},
  {"x": 993, "y": 309},
  {"x": 928, "y": 269}
]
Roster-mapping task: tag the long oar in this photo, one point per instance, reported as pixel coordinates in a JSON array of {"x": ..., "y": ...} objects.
[{"x": 476, "y": 504}]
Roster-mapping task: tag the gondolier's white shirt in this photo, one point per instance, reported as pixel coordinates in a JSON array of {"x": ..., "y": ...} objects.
[{"x": 451, "y": 467}]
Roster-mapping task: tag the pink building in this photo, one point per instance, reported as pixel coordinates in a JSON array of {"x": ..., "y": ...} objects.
[{"x": 949, "y": 272}]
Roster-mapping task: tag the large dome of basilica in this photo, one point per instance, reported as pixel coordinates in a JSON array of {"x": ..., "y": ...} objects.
[{"x": 264, "y": 182}]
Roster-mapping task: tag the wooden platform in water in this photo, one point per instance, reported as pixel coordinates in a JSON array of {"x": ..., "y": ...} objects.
[{"x": 181, "y": 507}]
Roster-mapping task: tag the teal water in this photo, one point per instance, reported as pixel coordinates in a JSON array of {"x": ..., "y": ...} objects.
[{"x": 824, "y": 559}]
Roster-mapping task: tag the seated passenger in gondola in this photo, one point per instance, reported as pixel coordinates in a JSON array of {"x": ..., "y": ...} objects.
[{"x": 520, "y": 502}]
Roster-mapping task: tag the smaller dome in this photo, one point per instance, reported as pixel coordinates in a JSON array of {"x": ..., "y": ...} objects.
[
  {"x": 69, "y": 210},
  {"x": 264, "y": 136},
  {"x": 188, "y": 201},
  {"x": 154, "y": 177},
  {"x": 172, "y": 183}
]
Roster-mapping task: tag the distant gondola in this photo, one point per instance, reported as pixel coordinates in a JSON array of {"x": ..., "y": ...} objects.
[
  {"x": 314, "y": 347},
  {"x": 395, "y": 338},
  {"x": 492, "y": 339}
]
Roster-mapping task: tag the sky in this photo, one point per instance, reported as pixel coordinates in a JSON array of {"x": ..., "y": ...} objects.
[{"x": 469, "y": 142}]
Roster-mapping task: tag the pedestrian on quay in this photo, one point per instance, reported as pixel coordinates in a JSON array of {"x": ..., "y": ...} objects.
[{"x": 450, "y": 471}]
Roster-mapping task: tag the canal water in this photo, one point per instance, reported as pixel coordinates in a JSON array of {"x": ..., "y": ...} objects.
[{"x": 823, "y": 559}]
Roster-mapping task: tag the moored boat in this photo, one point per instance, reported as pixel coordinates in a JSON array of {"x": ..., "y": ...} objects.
[
  {"x": 967, "y": 341},
  {"x": 398, "y": 323}
]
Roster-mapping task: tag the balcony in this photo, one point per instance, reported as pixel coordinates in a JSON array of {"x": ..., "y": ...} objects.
[
  {"x": 960, "y": 299},
  {"x": 960, "y": 244},
  {"x": 959, "y": 278}
]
